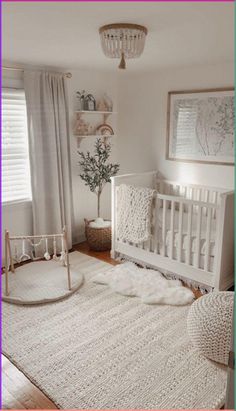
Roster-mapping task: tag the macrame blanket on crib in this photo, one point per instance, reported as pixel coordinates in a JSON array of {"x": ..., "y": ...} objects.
[{"x": 134, "y": 213}]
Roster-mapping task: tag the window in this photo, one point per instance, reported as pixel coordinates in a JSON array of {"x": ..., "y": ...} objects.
[{"x": 15, "y": 152}]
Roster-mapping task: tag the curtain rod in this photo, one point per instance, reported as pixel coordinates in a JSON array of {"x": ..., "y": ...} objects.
[{"x": 68, "y": 75}]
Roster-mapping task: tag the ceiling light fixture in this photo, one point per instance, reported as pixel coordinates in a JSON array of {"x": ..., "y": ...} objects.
[{"x": 123, "y": 40}]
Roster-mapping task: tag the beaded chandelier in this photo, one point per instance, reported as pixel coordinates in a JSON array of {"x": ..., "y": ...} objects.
[{"x": 123, "y": 40}]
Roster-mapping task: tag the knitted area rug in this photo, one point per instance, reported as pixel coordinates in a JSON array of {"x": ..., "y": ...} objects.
[{"x": 101, "y": 350}]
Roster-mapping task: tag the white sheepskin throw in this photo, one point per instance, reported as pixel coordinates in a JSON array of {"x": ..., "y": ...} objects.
[
  {"x": 149, "y": 285},
  {"x": 209, "y": 325},
  {"x": 134, "y": 213}
]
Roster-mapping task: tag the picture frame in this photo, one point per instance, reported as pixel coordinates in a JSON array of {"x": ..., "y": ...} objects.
[{"x": 200, "y": 126}]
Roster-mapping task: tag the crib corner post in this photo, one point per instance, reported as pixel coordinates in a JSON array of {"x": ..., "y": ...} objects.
[
  {"x": 6, "y": 262},
  {"x": 220, "y": 218},
  {"x": 113, "y": 217}
]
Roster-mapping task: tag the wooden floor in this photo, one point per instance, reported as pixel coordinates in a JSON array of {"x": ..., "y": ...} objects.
[
  {"x": 101, "y": 255},
  {"x": 17, "y": 391}
]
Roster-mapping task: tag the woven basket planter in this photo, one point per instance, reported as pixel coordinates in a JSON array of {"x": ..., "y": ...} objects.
[{"x": 99, "y": 239}]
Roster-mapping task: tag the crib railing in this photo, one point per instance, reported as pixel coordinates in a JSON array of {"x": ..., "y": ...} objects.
[
  {"x": 182, "y": 205},
  {"x": 191, "y": 192}
]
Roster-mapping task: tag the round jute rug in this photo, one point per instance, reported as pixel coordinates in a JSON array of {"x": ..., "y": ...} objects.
[{"x": 40, "y": 282}]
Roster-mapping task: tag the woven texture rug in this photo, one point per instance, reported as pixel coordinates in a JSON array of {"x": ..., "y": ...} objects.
[{"x": 101, "y": 350}]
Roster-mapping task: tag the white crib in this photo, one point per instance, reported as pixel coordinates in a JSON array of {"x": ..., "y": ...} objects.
[{"x": 192, "y": 231}]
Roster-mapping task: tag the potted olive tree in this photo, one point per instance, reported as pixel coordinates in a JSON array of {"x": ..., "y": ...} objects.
[{"x": 96, "y": 173}]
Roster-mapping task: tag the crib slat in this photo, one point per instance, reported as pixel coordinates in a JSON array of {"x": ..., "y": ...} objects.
[
  {"x": 152, "y": 224},
  {"x": 185, "y": 191},
  {"x": 164, "y": 229},
  {"x": 180, "y": 232},
  {"x": 199, "y": 193},
  {"x": 212, "y": 200},
  {"x": 215, "y": 201},
  {"x": 206, "y": 200},
  {"x": 208, "y": 237},
  {"x": 189, "y": 233},
  {"x": 150, "y": 240},
  {"x": 185, "y": 196},
  {"x": 172, "y": 217},
  {"x": 198, "y": 238},
  {"x": 213, "y": 196},
  {"x": 192, "y": 193},
  {"x": 156, "y": 226}
]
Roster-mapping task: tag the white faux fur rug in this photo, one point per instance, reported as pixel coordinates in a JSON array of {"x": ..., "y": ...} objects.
[
  {"x": 150, "y": 285},
  {"x": 101, "y": 350}
]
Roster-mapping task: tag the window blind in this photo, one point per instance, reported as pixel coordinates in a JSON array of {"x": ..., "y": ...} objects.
[{"x": 15, "y": 151}]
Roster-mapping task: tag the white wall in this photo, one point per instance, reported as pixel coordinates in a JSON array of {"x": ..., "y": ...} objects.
[
  {"x": 142, "y": 122},
  {"x": 141, "y": 102},
  {"x": 85, "y": 202}
]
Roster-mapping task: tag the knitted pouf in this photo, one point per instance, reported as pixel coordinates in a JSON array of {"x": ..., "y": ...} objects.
[{"x": 209, "y": 325}]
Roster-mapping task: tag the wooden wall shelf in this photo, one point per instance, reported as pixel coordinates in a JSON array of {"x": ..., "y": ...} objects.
[{"x": 104, "y": 114}]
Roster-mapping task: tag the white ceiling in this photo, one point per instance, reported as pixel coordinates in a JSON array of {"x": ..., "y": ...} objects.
[{"x": 65, "y": 34}]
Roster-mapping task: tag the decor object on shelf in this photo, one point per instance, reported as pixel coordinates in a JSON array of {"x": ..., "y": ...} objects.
[
  {"x": 96, "y": 172},
  {"x": 123, "y": 40},
  {"x": 81, "y": 127},
  {"x": 42, "y": 282},
  {"x": 200, "y": 126},
  {"x": 108, "y": 102},
  {"x": 89, "y": 103},
  {"x": 104, "y": 130},
  {"x": 102, "y": 105},
  {"x": 80, "y": 96},
  {"x": 209, "y": 323}
]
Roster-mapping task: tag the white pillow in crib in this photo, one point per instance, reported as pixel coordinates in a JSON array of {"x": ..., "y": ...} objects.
[{"x": 209, "y": 324}]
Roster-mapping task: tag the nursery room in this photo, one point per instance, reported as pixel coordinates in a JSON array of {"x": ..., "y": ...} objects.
[{"x": 117, "y": 205}]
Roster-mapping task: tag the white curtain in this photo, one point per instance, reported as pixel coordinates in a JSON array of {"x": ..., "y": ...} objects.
[{"x": 49, "y": 152}]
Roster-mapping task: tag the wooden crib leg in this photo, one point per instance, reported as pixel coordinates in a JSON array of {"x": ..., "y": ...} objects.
[
  {"x": 67, "y": 258},
  {"x": 6, "y": 263}
]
